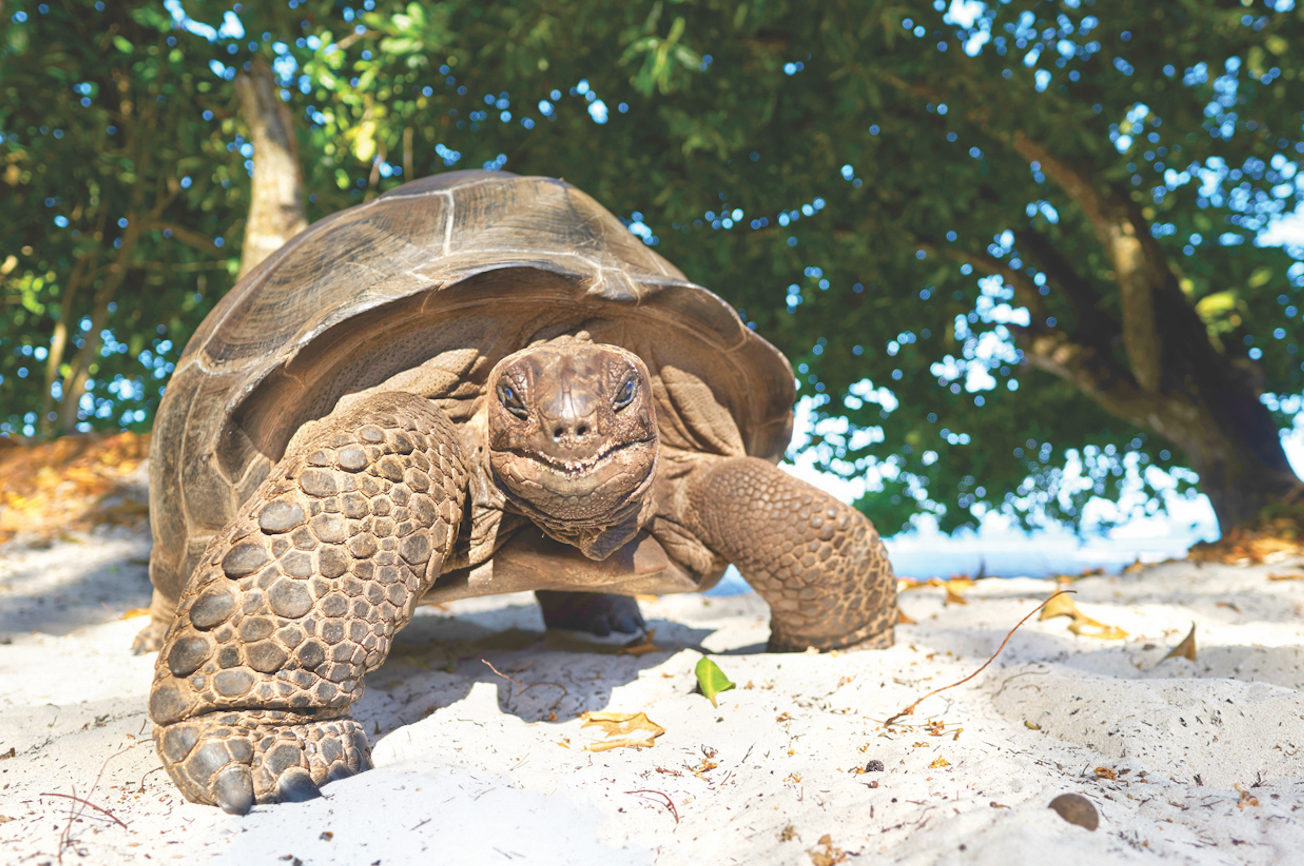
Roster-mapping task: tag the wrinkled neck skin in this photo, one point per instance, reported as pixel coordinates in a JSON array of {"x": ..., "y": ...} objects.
[{"x": 572, "y": 440}]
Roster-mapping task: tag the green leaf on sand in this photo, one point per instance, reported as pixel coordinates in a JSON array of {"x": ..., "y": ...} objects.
[{"x": 712, "y": 680}]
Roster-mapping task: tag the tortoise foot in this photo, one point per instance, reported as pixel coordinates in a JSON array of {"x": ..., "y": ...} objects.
[
  {"x": 150, "y": 638},
  {"x": 234, "y": 760},
  {"x": 594, "y": 612}
]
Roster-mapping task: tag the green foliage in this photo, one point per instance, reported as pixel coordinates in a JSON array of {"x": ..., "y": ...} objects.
[
  {"x": 99, "y": 124},
  {"x": 827, "y": 168}
]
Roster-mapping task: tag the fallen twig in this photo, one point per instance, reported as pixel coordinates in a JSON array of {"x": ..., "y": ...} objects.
[
  {"x": 670, "y": 804},
  {"x": 521, "y": 688},
  {"x": 84, "y": 802},
  {"x": 910, "y": 709},
  {"x": 501, "y": 674}
]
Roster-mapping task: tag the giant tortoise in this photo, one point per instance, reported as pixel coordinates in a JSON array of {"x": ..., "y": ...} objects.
[{"x": 476, "y": 383}]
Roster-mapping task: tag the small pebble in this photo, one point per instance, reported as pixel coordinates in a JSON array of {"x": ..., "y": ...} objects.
[
  {"x": 874, "y": 766},
  {"x": 1076, "y": 809}
]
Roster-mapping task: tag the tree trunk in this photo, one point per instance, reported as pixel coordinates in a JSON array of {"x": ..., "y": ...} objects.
[
  {"x": 276, "y": 212},
  {"x": 59, "y": 343},
  {"x": 1169, "y": 378},
  {"x": 1240, "y": 460}
]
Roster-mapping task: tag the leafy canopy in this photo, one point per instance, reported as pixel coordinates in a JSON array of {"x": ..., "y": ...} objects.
[{"x": 846, "y": 174}]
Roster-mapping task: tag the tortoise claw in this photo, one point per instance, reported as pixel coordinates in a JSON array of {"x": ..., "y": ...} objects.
[
  {"x": 233, "y": 790},
  {"x": 234, "y": 763},
  {"x": 296, "y": 786}
]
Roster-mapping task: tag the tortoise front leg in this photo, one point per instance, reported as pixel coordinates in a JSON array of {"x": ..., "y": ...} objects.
[
  {"x": 298, "y": 597},
  {"x": 817, "y": 562}
]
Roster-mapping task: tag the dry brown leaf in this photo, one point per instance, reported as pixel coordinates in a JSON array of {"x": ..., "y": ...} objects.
[
  {"x": 623, "y": 725},
  {"x": 1082, "y": 624},
  {"x": 1106, "y": 773},
  {"x": 1059, "y": 606},
  {"x": 939, "y": 763},
  {"x": 830, "y": 856},
  {"x": 1085, "y": 626},
  {"x": 640, "y": 646},
  {"x": 706, "y": 766},
  {"x": 903, "y": 619},
  {"x": 1185, "y": 649},
  {"x": 1298, "y": 575}
]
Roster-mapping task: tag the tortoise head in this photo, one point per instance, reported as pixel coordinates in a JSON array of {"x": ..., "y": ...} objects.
[{"x": 572, "y": 432}]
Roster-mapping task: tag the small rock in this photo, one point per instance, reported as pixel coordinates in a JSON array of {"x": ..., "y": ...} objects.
[
  {"x": 875, "y": 766},
  {"x": 1076, "y": 809}
]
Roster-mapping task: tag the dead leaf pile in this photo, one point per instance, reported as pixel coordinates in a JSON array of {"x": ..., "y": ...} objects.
[
  {"x": 1277, "y": 532},
  {"x": 74, "y": 482}
]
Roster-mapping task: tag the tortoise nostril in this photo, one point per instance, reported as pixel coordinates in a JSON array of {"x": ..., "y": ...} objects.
[
  {"x": 558, "y": 433},
  {"x": 581, "y": 430}
]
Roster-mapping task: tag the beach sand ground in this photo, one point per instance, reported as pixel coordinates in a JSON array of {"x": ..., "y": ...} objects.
[{"x": 1183, "y": 761}]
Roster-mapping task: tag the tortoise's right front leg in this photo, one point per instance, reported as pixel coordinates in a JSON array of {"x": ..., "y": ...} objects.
[
  {"x": 301, "y": 595},
  {"x": 817, "y": 562}
]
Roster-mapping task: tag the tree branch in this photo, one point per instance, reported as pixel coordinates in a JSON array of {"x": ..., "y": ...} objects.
[
  {"x": 187, "y": 236},
  {"x": 1093, "y": 373},
  {"x": 1026, "y": 291},
  {"x": 1139, "y": 265},
  {"x": 1093, "y": 326}
]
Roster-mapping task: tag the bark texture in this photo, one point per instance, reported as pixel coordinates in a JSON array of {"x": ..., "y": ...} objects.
[{"x": 276, "y": 212}]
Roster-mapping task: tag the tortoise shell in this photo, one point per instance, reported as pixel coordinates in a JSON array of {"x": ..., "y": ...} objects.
[{"x": 450, "y": 274}]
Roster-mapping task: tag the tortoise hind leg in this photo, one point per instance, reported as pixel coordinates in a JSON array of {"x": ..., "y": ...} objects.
[
  {"x": 817, "y": 562},
  {"x": 298, "y": 597},
  {"x": 162, "y": 611},
  {"x": 598, "y": 613}
]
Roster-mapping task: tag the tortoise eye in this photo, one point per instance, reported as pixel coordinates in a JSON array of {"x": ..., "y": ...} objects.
[
  {"x": 626, "y": 394},
  {"x": 512, "y": 401}
]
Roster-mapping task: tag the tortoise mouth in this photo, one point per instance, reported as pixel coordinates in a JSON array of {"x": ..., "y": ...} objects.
[
  {"x": 584, "y": 489},
  {"x": 574, "y": 468}
]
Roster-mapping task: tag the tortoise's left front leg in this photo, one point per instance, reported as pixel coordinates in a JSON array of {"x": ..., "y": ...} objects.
[
  {"x": 817, "y": 562},
  {"x": 300, "y": 596}
]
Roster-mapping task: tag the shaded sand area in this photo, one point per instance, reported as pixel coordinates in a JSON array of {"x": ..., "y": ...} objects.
[{"x": 1183, "y": 761}]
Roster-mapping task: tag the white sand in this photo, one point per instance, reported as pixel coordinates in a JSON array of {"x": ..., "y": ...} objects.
[{"x": 468, "y": 771}]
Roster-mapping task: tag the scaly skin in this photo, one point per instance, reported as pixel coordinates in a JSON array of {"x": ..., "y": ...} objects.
[
  {"x": 301, "y": 594},
  {"x": 298, "y": 597},
  {"x": 817, "y": 562}
]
